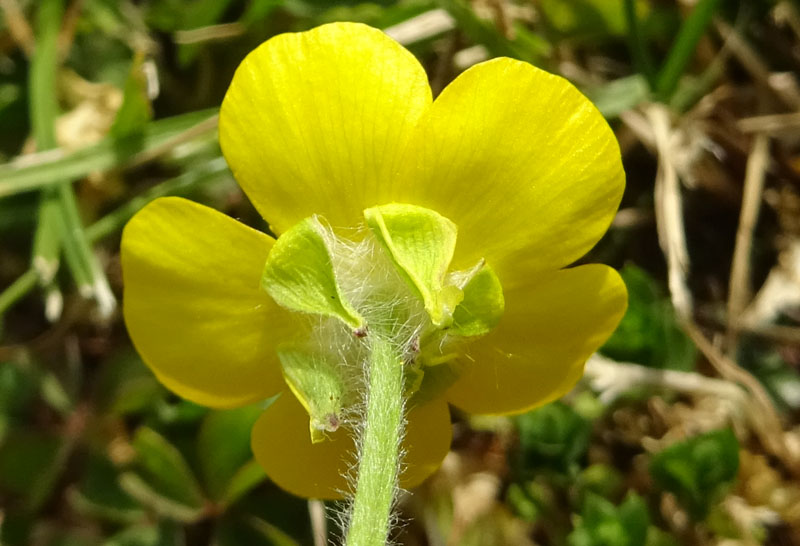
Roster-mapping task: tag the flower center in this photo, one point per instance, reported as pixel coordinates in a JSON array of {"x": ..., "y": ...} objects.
[{"x": 391, "y": 281}]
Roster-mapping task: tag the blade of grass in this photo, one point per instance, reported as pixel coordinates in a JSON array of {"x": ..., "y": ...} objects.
[
  {"x": 48, "y": 168},
  {"x": 683, "y": 48},
  {"x": 18, "y": 289},
  {"x": 637, "y": 44},
  {"x": 59, "y": 218},
  {"x": 215, "y": 170},
  {"x": 43, "y": 111}
]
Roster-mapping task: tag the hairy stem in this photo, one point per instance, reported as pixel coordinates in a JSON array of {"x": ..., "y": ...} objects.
[{"x": 371, "y": 512}]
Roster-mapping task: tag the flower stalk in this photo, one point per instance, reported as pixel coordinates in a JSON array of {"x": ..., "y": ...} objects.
[{"x": 376, "y": 485}]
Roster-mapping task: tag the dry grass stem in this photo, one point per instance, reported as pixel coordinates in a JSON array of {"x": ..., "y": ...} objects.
[
  {"x": 752, "y": 62},
  {"x": 200, "y": 129},
  {"x": 223, "y": 31},
  {"x": 423, "y": 26},
  {"x": 319, "y": 524},
  {"x": 69, "y": 24},
  {"x": 669, "y": 211},
  {"x": 613, "y": 379},
  {"x": 767, "y": 424},
  {"x": 740, "y": 290},
  {"x": 773, "y": 123},
  {"x": 779, "y": 292},
  {"x": 18, "y": 26}
]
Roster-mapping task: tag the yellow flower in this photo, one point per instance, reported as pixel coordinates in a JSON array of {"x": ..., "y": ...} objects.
[{"x": 340, "y": 119}]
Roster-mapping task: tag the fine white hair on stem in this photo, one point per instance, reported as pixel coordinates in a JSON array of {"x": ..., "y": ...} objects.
[
  {"x": 382, "y": 366},
  {"x": 394, "y": 316}
]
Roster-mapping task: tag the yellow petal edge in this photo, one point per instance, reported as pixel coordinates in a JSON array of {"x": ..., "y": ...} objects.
[
  {"x": 547, "y": 333},
  {"x": 193, "y": 306},
  {"x": 280, "y": 441}
]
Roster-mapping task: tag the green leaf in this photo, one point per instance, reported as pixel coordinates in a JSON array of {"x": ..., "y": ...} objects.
[
  {"x": 482, "y": 307},
  {"x": 698, "y": 470},
  {"x": 603, "y": 524},
  {"x": 162, "y": 471},
  {"x": 272, "y": 533},
  {"x": 299, "y": 275},
  {"x": 126, "y": 386},
  {"x": 252, "y": 531},
  {"x": 223, "y": 447},
  {"x": 55, "y": 394},
  {"x": 30, "y": 464},
  {"x": 99, "y": 495},
  {"x": 553, "y": 436},
  {"x": 146, "y": 535},
  {"x": 136, "y": 487},
  {"x": 648, "y": 333},
  {"x": 619, "y": 95},
  {"x": 17, "y": 387},
  {"x": 246, "y": 478},
  {"x": 600, "y": 479},
  {"x": 421, "y": 243},
  {"x": 319, "y": 385}
]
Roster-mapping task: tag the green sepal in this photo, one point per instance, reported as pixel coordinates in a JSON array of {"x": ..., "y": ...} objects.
[
  {"x": 482, "y": 307},
  {"x": 420, "y": 243},
  {"x": 299, "y": 275},
  {"x": 319, "y": 385}
]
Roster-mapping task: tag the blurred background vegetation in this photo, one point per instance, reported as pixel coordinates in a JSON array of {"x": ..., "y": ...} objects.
[{"x": 683, "y": 431}]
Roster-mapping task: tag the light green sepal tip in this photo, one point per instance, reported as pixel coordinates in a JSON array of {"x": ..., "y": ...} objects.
[
  {"x": 318, "y": 385},
  {"x": 421, "y": 243},
  {"x": 299, "y": 275},
  {"x": 482, "y": 307}
]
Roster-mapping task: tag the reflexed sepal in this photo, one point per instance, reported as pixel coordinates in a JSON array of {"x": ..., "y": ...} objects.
[
  {"x": 420, "y": 243},
  {"x": 434, "y": 381},
  {"x": 299, "y": 275},
  {"x": 319, "y": 385},
  {"x": 482, "y": 307}
]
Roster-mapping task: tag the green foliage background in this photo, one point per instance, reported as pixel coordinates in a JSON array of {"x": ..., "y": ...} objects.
[{"x": 659, "y": 445}]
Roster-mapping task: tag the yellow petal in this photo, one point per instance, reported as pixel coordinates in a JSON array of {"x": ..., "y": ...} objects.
[
  {"x": 316, "y": 122},
  {"x": 537, "y": 352},
  {"x": 282, "y": 446},
  {"x": 193, "y": 306},
  {"x": 426, "y": 442},
  {"x": 522, "y": 162}
]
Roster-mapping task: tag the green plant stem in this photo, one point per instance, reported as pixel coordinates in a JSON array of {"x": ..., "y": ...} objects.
[
  {"x": 49, "y": 168},
  {"x": 59, "y": 226},
  {"x": 43, "y": 112},
  {"x": 380, "y": 448},
  {"x": 24, "y": 284}
]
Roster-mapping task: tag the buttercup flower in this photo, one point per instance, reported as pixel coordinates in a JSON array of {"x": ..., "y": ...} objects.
[{"x": 441, "y": 226}]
